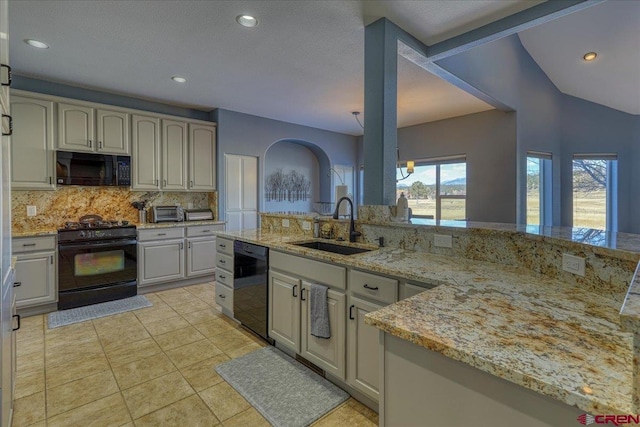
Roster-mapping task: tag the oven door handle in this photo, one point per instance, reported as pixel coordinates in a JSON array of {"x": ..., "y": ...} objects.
[{"x": 113, "y": 243}]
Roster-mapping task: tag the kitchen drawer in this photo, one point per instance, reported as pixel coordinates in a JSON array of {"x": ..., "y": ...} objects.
[
  {"x": 224, "y": 246},
  {"x": 203, "y": 230},
  {"x": 160, "y": 234},
  {"x": 224, "y": 276},
  {"x": 31, "y": 244},
  {"x": 224, "y": 261},
  {"x": 224, "y": 297},
  {"x": 373, "y": 287}
]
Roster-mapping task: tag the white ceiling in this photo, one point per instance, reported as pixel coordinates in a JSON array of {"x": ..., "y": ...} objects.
[
  {"x": 612, "y": 30},
  {"x": 304, "y": 63}
]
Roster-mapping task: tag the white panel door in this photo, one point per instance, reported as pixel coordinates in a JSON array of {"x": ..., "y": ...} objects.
[
  {"x": 202, "y": 157},
  {"x": 174, "y": 155},
  {"x": 76, "y": 130},
  {"x": 241, "y": 192},
  {"x": 113, "y": 132},
  {"x": 145, "y": 143}
]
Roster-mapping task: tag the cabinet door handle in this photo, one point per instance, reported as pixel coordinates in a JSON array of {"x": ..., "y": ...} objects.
[
  {"x": 99, "y": 144},
  {"x": 51, "y": 259},
  {"x": 156, "y": 182},
  {"x": 294, "y": 291},
  {"x": 190, "y": 184},
  {"x": 8, "y": 83},
  {"x": 351, "y": 313},
  {"x": 10, "y": 125},
  {"x": 165, "y": 182},
  {"x": 189, "y": 245},
  {"x": 369, "y": 287},
  {"x": 50, "y": 180},
  {"x": 222, "y": 296},
  {"x": 90, "y": 144},
  {"x": 181, "y": 246},
  {"x": 302, "y": 294},
  {"x": 16, "y": 284},
  {"x": 16, "y": 316}
]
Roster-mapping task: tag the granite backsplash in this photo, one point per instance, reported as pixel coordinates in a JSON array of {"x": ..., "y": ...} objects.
[{"x": 54, "y": 208}]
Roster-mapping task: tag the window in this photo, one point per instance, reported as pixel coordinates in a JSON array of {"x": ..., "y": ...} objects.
[
  {"x": 538, "y": 188},
  {"x": 595, "y": 191},
  {"x": 437, "y": 189}
]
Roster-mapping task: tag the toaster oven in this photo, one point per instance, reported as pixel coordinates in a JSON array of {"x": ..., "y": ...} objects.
[{"x": 166, "y": 214}]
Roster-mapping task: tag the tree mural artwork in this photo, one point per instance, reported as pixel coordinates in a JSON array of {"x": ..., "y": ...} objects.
[{"x": 291, "y": 187}]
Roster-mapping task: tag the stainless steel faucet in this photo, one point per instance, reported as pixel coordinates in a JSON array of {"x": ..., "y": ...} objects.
[{"x": 352, "y": 227}]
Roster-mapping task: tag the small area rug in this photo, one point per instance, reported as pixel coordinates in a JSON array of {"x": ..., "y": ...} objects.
[
  {"x": 94, "y": 311},
  {"x": 284, "y": 391}
]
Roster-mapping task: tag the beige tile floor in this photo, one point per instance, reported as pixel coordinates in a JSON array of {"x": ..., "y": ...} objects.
[{"x": 148, "y": 367}]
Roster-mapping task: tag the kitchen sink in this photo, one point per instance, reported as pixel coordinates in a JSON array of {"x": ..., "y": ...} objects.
[{"x": 330, "y": 247}]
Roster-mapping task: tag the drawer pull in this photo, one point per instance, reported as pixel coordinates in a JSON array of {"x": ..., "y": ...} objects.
[
  {"x": 351, "y": 313},
  {"x": 16, "y": 284},
  {"x": 221, "y": 261},
  {"x": 206, "y": 231},
  {"x": 222, "y": 277},
  {"x": 223, "y": 246},
  {"x": 294, "y": 291},
  {"x": 369, "y": 287},
  {"x": 222, "y": 296},
  {"x": 302, "y": 294},
  {"x": 28, "y": 244},
  {"x": 162, "y": 234},
  {"x": 16, "y": 316}
]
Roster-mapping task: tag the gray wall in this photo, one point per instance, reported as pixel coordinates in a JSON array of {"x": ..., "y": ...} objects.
[
  {"x": 248, "y": 135},
  {"x": 504, "y": 70},
  {"x": 59, "y": 89},
  {"x": 489, "y": 141}
]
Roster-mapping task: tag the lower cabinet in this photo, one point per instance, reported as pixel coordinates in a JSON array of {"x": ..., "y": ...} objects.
[
  {"x": 363, "y": 367},
  {"x": 35, "y": 279},
  {"x": 224, "y": 274},
  {"x": 326, "y": 353},
  {"x": 200, "y": 256},
  {"x": 160, "y": 261},
  {"x": 290, "y": 281}
]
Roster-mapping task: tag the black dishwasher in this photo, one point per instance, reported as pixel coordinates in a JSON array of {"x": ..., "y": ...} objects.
[{"x": 250, "y": 291}]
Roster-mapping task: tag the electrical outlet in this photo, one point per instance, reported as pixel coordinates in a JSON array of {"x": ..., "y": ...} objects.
[
  {"x": 442, "y": 240},
  {"x": 306, "y": 225},
  {"x": 573, "y": 264},
  {"x": 285, "y": 223},
  {"x": 31, "y": 210}
]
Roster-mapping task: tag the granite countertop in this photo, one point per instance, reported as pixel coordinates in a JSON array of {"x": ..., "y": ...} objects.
[
  {"x": 543, "y": 334},
  {"x": 35, "y": 232},
  {"x": 152, "y": 225}
]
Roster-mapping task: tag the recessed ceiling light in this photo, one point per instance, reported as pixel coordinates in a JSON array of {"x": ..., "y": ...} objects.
[
  {"x": 179, "y": 79},
  {"x": 590, "y": 56},
  {"x": 36, "y": 43},
  {"x": 247, "y": 21}
]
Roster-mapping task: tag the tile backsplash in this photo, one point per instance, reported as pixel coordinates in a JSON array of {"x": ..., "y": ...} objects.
[{"x": 70, "y": 203}]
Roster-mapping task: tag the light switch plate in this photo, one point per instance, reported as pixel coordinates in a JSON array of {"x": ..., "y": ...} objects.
[
  {"x": 442, "y": 240},
  {"x": 573, "y": 264},
  {"x": 31, "y": 210},
  {"x": 285, "y": 223},
  {"x": 306, "y": 225}
]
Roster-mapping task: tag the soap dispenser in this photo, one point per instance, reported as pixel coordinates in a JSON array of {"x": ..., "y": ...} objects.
[{"x": 402, "y": 210}]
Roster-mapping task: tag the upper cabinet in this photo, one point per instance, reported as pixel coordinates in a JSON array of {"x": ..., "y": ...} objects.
[
  {"x": 32, "y": 144},
  {"x": 145, "y": 151},
  {"x": 174, "y": 155},
  {"x": 166, "y": 153},
  {"x": 77, "y": 130},
  {"x": 202, "y": 157}
]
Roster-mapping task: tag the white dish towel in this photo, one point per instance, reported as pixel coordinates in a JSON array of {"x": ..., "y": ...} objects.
[{"x": 319, "y": 312}]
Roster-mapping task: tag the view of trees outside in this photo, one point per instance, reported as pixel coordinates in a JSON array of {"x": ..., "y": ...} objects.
[
  {"x": 420, "y": 190},
  {"x": 533, "y": 190},
  {"x": 590, "y": 193}
]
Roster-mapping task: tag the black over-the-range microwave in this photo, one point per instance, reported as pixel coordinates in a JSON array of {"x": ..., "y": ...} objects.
[{"x": 92, "y": 169}]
